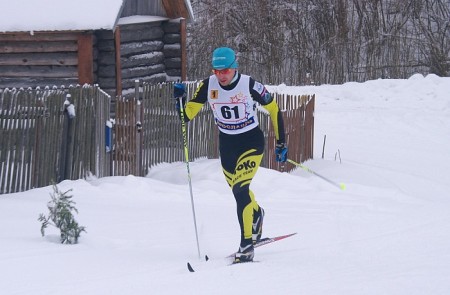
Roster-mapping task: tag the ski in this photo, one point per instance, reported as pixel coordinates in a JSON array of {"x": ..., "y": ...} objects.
[
  {"x": 266, "y": 241},
  {"x": 260, "y": 243}
]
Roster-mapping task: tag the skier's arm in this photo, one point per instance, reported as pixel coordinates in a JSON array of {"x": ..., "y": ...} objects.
[
  {"x": 262, "y": 96},
  {"x": 277, "y": 121},
  {"x": 194, "y": 105}
]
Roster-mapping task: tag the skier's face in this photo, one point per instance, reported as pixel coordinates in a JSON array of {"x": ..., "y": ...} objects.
[{"x": 224, "y": 76}]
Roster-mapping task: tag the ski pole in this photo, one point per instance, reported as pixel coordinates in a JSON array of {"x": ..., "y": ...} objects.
[
  {"x": 186, "y": 156},
  {"x": 339, "y": 185}
]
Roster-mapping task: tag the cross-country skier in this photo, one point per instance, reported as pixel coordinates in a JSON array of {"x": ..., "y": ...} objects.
[{"x": 233, "y": 97}]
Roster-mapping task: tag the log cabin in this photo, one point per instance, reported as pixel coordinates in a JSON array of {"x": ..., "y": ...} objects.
[{"x": 111, "y": 43}]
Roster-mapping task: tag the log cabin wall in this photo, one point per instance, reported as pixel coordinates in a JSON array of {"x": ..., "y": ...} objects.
[
  {"x": 152, "y": 51},
  {"x": 149, "y": 52},
  {"x": 46, "y": 59},
  {"x": 106, "y": 61},
  {"x": 141, "y": 54},
  {"x": 173, "y": 50}
]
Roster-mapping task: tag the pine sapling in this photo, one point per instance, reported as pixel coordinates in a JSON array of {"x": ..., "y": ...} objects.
[{"x": 61, "y": 207}]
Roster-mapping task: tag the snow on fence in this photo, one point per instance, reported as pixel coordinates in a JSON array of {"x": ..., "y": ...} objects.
[{"x": 55, "y": 134}]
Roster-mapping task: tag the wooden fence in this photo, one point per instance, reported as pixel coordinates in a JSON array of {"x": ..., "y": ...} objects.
[
  {"x": 44, "y": 141},
  {"x": 50, "y": 135}
]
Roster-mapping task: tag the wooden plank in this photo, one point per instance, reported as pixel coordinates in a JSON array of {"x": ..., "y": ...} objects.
[
  {"x": 85, "y": 59},
  {"x": 46, "y": 143},
  {"x": 38, "y": 36},
  {"x": 19, "y": 144},
  {"x": 26, "y": 47},
  {"x": 6, "y": 104},
  {"x": 12, "y": 132},
  {"x": 33, "y": 82},
  {"x": 39, "y": 59},
  {"x": 30, "y": 129},
  {"x": 175, "y": 8},
  {"x": 39, "y": 71}
]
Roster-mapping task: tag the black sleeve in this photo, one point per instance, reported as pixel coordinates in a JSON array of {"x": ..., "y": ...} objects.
[{"x": 259, "y": 94}]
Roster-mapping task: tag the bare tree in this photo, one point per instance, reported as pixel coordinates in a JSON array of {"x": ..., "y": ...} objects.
[
  {"x": 323, "y": 41},
  {"x": 432, "y": 22}
]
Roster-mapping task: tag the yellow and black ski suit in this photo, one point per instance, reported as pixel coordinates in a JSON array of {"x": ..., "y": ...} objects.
[{"x": 241, "y": 141}]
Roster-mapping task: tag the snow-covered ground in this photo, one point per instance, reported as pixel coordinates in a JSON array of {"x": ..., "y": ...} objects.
[{"x": 387, "y": 233}]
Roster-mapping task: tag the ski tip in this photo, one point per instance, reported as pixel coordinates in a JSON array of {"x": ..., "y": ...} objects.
[
  {"x": 190, "y": 267},
  {"x": 206, "y": 258}
]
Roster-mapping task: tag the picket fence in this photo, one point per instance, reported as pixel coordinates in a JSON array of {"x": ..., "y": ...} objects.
[{"x": 49, "y": 135}]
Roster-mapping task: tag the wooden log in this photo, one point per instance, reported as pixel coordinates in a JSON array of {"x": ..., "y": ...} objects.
[
  {"x": 140, "y": 33},
  {"x": 172, "y": 38},
  {"x": 173, "y": 72},
  {"x": 39, "y": 59},
  {"x": 183, "y": 53},
  {"x": 39, "y": 71},
  {"x": 25, "y": 47},
  {"x": 142, "y": 71},
  {"x": 153, "y": 79},
  {"x": 39, "y": 36},
  {"x": 106, "y": 45},
  {"x": 104, "y": 35},
  {"x": 150, "y": 58},
  {"x": 173, "y": 63},
  {"x": 106, "y": 82},
  {"x": 106, "y": 58},
  {"x": 108, "y": 71},
  {"x": 140, "y": 48},
  {"x": 172, "y": 50}
]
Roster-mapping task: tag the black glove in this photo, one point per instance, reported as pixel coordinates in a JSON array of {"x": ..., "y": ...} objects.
[{"x": 281, "y": 152}]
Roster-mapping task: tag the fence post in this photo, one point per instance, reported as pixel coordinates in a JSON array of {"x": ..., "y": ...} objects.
[
  {"x": 66, "y": 156},
  {"x": 138, "y": 129}
]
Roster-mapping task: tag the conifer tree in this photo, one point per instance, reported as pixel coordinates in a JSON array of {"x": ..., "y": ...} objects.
[{"x": 60, "y": 215}]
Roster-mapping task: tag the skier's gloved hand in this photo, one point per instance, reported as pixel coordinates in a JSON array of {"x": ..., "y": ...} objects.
[
  {"x": 179, "y": 90},
  {"x": 179, "y": 93},
  {"x": 281, "y": 152}
]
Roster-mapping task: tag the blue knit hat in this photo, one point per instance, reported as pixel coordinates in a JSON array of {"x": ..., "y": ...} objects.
[{"x": 224, "y": 58}]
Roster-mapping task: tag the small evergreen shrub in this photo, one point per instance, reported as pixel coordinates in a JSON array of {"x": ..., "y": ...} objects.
[{"x": 61, "y": 207}]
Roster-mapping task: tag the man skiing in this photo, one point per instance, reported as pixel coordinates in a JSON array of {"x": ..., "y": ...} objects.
[{"x": 233, "y": 97}]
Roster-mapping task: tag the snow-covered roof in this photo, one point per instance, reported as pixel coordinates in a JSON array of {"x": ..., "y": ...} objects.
[
  {"x": 59, "y": 15},
  {"x": 135, "y": 19}
]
